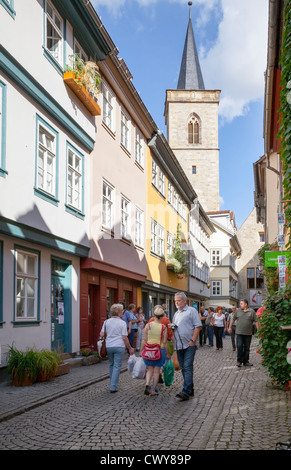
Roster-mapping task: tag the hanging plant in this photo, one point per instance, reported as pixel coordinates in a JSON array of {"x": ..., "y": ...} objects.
[
  {"x": 86, "y": 74},
  {"x": 178, "y": 258}
]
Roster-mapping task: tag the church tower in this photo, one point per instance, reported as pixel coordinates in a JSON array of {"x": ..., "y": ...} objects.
[{"x": 191, "y": 117}]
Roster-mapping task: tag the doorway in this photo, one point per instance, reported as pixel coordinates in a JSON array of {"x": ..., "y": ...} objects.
[{"x": 61, "y": 306}]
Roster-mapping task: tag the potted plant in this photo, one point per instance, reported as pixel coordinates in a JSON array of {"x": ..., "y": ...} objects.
[
  {"x": 47, "y": 364},
  {"x": 22, "y": 366},
  {"x": 90, "y": 356},
  {"x": 83, "y": 78}
]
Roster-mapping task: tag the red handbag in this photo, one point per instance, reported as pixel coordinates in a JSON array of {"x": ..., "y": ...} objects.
[{"x": 152, "y": 352}]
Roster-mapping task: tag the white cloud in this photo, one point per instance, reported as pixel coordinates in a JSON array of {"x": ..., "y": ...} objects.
[{"x": 237, "y": 62}]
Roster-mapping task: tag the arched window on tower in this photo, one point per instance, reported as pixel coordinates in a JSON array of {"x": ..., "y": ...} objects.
[{"x": 194, "y": 130}]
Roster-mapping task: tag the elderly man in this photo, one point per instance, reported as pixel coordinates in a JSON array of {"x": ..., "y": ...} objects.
[
  {"x": 186, "y": 325},
  {"x": 244, "y": 317}
]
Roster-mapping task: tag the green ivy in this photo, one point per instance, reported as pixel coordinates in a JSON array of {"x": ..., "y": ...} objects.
[
  {"x": 285, "y": 110},
  {"x": 272, "y": 339},
  {"x": 270, "y": 273}
]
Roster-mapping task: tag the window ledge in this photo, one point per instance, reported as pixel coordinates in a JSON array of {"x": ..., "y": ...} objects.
[
  {"x": 75, "y": 212},
  {"x": 46, "y": 196},
  {"x": 125, "y": 150},
  {"x": 110, "y": 131},
  {"x": 19, "y": 323}
]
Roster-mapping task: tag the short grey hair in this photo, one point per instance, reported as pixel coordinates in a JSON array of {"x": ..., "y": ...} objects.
[
  {"x": 182, "y": 295},
  {"x": 115, "y": 309}
]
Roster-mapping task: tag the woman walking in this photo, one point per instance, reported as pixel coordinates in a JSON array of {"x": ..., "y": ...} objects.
[
  {"x": 140, "y": 327},
  {"x": 219, "y": 323},
  {"x": 115, "y": 332},
  {"x": 155, "y": 333}
]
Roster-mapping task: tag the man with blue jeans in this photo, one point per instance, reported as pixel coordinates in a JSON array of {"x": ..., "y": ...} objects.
[
  {"x": 244, "y": 317},
  {"x": 186, "y": 325}
]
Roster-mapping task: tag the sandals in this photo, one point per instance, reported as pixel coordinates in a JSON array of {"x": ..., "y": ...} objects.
[{"x": 147, "y": 391}]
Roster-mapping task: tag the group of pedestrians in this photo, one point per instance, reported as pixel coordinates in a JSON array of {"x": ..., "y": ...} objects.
[{"x": 187, "y": 328}]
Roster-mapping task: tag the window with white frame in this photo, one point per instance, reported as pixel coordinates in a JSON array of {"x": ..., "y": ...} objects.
[
  {"x": 157, "y": 239},
  {"x": 107, "y": 205},
  {"x": 80, "y": 51},
  {"x": 139, "y": 148},
  {"x": 108, "y": 108},
  {"x": 175, "y": 200},
  {"x": 125, "y": 131},
  {"x": 74, "y": 179},
  {"x": 192, "y": 264},
  {"x": 125, "y": 217},
  {"x": 158, "y": 178},
  {"x": 26, "y": 284},
  {"x": 2, "y": 128},
  {"x": 139, "y": 227},
  {"x": 54, "y": 33},
  {"x": 170, "y": 244},
  {"x": 46, "y": 160},
  {"x": 215, "y": 288},
  {"x": 216, "y": 257},
  {"x": 155, "y": 173},
  {"x": 170, "y": 193}
]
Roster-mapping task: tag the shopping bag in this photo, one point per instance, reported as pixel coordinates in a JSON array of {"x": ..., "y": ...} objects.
[
  {"x": 176, "y": 362},
  {"x": 131, "y": 362},
  {"x": 168, "y": 373},
  {"x": 139, "y": 369}
]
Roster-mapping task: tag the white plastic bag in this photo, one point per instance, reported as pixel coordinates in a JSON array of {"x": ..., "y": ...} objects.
[
  {"x": 99, "y": 345},
  {"x": 131, "y": 362},
  {"x": 139, "y": 370}
]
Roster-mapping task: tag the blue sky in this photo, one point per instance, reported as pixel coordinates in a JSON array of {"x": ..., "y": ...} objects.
[{"x": 231, "y": 38}]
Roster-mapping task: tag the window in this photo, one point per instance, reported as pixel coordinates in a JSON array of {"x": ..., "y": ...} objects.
[
  {"x": 255, "y": 279},
  {"x": 215, "y": 257},
  {"x": 194, "y": 130},
  {"x": 158, "y": 178},
  {"x": 170, "y": 193},
  {"x": 170, "y": 244},
  {"x": 54, "y": 33},
  {"x": 125, "y": 131},
  {"x": 2, "y": 129},
  {"x": 192, "y": 265},
  {"x": 9, "y": 6},
  {"x": 46, "y": 161},
  {"x": 78, "y": 50},
  {"x": 261, "y": 236},
  {"x": 108, "y": 108},
  {"x": 139, "y": 227},
  {"x": 26, "y": 284},
  {"x": 194, "y": 170},
  {"x": 139, "y": 148},
  {"x": 125, "y": 218},
  {"x": 107, "y": 205},
  {"x": 74, "y": 179},
  {"x": 215, "y": 288},
  {"x": 157, "y": 239}
]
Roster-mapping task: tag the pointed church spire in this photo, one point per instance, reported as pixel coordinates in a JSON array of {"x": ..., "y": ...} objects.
[{"x": 190, "y": 77}]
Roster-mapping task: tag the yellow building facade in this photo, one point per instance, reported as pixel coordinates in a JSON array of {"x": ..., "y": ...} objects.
[{"x": 169, "y": 199}]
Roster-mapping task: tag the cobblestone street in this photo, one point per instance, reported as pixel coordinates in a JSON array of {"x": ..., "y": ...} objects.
[{"x": 233, "y": 409}]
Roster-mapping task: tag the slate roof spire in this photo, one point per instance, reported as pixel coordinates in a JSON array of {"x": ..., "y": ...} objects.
[{"x": 190, "y": 77}]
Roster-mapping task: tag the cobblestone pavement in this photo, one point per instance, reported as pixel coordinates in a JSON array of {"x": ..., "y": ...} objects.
[{"x": 233, "y": 408}]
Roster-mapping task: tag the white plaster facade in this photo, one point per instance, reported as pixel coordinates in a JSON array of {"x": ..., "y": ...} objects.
[{"x": 39, "y": 222}]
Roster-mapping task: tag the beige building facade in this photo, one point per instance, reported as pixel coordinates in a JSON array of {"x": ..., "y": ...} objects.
[
  {"x": 251, "y": 284},
  {"x": 191, "y": 117}
]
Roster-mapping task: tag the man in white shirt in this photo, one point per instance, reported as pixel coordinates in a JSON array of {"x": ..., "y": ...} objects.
[{"x": 186, "y": 325}]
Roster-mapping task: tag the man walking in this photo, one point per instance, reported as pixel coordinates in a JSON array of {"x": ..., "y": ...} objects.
[
  {"x": 186, "y": 325},
  {"x": 232, "y": 334},
  {"x": 244, "y": 317},
  {"x": 202, "y": 334}
]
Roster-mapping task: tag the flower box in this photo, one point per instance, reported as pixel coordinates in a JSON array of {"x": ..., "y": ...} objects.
[{"x": 82, "y": 93}]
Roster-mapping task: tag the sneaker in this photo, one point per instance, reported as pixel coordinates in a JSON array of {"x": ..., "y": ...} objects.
[
  {"x": 182, "y": 396},
  {"x": 147, "y": 390},
  {"x": 238, "y": 364},
  {"x": 248, "y": 364}
]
